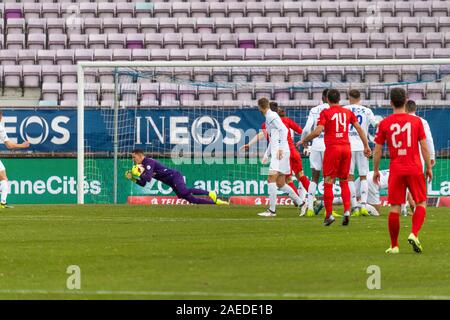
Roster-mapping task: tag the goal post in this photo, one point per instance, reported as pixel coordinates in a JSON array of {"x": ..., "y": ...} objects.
[{"x": 121, "y": 119}]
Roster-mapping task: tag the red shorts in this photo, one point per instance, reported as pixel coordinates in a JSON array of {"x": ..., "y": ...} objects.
[
  {"x": 398, "y": 184},
  {"x": 296, "y": 162},
  {"x": 336, "y": 161}
]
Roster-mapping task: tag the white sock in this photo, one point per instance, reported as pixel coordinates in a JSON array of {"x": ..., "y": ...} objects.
[
  {"x": 302, "y": 194},
  {"x": 364, "y": 191},
  {"x": 291, "y": 193},
  {"x": 4, "y": 192},
  {"x": 351, "y": 186},
  {"x": 311, "y": 193},
  {"x": 272, "y": 187}
]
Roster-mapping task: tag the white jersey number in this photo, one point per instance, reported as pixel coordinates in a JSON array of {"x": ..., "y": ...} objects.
[
  {"x": 397, "y": 130},
  {"x": 341, "y": 119}
]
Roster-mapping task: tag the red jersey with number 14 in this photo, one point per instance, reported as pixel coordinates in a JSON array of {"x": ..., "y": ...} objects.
[
  {"x": 402, "y": 132},
  {"x": 336, "y": 121}
]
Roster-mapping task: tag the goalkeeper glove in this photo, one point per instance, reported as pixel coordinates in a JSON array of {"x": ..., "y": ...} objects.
[{"x": 129, "y": 176}]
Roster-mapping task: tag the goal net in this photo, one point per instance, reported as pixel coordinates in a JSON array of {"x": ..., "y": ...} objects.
[{"x": 196, "y": 117}]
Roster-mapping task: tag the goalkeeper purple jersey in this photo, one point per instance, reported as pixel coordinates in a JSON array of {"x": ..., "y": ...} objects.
[{"x": 155, "y": 170}]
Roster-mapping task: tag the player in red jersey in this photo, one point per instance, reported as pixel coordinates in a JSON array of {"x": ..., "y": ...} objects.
[
  {"x": 335, "y": 122},
  {"x": 295, "y": 158},
  {"x": 403, "y": 133}
]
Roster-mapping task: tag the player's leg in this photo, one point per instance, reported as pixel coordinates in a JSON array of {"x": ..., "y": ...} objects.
[
  {"x": 3, "y": 186},
  {"x": 352, "y": 186},
  {"x": 417, "y": 187},
  {"x": 272, "y": 190},
  {"x": 291, "y": 183},
  {"x": 344, "y": 168},
  {"x": 373, "y": 205},
  {"x": 285, "y": 170},
  {"x": 183, "y": 192},
  {"x": 396, "y": 194},
  {"x": 330, "y": 161},
  {"x": 316, "y": 161},
  {"x": 363, "y": 169}
]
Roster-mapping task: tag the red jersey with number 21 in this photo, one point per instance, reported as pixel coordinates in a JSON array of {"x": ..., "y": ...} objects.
[
  {"x": 336, "y": 121},
  {"x": 402, "y": 132}
]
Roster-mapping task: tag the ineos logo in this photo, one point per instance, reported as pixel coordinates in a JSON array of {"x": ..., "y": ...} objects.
[{"x": 38, "y": 121}]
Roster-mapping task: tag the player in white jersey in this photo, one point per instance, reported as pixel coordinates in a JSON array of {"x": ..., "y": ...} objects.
[
  {"x": 373, "y": 195},
  {"x": 4, "y": 188},
  {"x": 411, "y": 108},
  {"x": 365, "y": 118},
  {"x": 317, "y": 150},
  {"x": 278, "y": 152}
]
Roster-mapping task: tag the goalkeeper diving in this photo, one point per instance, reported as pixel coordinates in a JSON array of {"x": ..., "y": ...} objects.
[{"x": 152, "y": 169}]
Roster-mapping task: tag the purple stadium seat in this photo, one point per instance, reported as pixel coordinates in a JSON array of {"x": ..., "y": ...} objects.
[
  {"x": 162, "y": 9},
  {"x": 130, "y": 25},
  {"x": 265, "y": 40},
  {"x": 111, "y": 25},
  {"x": 218, "y": 10},
  {"x": 12, "y": 76},
  {"x": 121, "y": 54},
  {"x": 76, "y": 41},
  {"x": 228, "y": 40},
  {"x": 140, "y": 54},
  {"x": 13, "y": 11},
  {"x": 197, "y": 54},
  {"x": 223, "y": 25},
  {"x": 15, "y": 26},
  {"x": 134, "y": 41},
  {"x": 37, "y": 41},
  {"x": 236, "y": 9},
  {"x": 186, "y": 25},
  {"x": 106, "y": 10},
  {"x": 51, "y": 91},
  {"x": 97, "y": 41},
  {"x": 31, "y": 76},
  {"x": 273, "y": 54},
  {"x": 200, "y": 9},
  {"x": 246, "y": 40},
  {"x": 291, "y": 9},
  {"x": 154, "y": 41},
  {"x": 56, "y": 41},
  {"x": 46, "y": 57},
  {"x": 209, "y": 40},
  {"x": 15, "y": 41},
  {"x": 172, "y": 40},
  {"x": 190, "y": 40},
  {"x": 205, "y": 25},
  {"x": 31, "y": 10}
]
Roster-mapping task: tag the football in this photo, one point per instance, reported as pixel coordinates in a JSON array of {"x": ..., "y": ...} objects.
[{"x": 137, "y": 170}]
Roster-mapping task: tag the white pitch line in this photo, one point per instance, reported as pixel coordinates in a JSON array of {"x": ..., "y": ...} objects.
[{"x": 226, "y": 294}]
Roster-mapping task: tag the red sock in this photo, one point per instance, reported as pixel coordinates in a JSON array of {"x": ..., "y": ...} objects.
[
  {"x": 305, "y": 182},
  {"x": 345, "y": 194},
  {"x": 328, "y": 198},
  {"x": 292, "y": 185},
  {"x": 394, "y": 228},
  {"x": 418, "y": 219}
]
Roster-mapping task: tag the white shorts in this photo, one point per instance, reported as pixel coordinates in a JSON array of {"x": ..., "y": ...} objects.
[
  {"x": 316, "y": 160},
  {"x": 283, "y": 165},
  {"x": 373, "y": 195},
  {"x": 360, "y": 162},
  {"x": 2, "y": 166}
]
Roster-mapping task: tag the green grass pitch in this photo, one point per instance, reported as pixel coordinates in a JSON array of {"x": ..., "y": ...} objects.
[{"x": 206, "y": 252}]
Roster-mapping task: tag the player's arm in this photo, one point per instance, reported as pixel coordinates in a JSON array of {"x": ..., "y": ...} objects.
[
  {"x": 430, "y": 143},
  {"x": 307, "y": 128},
  {"x": 426, "y": 158},
  {"x": 363, "y": 137},
  {"x": 316, "y": 132},
  {"x": 377, "y": 152},
  {"x": 254, "y": 140},
  {"x": 275, "y": 137},
  {"x": 294, "y": 126},
  {"x": 12, "y": 145}
]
